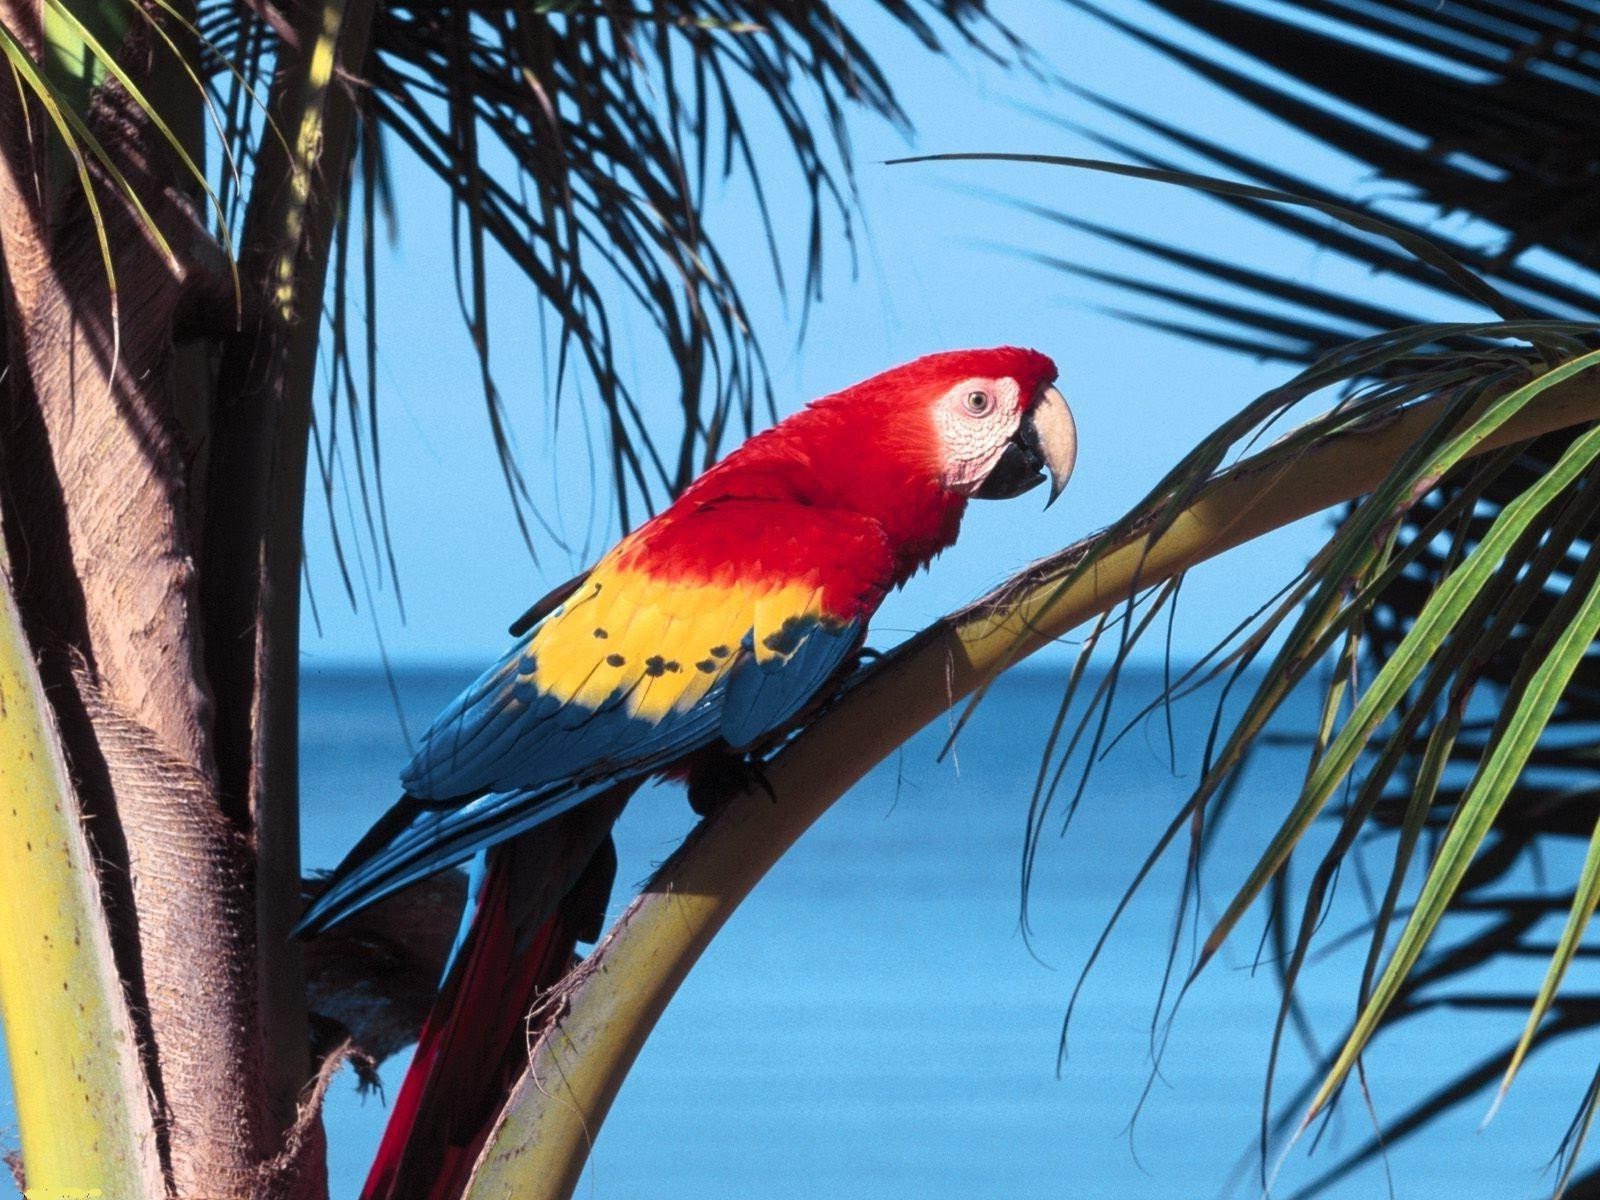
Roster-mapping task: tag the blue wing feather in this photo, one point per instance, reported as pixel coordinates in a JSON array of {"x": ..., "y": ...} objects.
[
  {"x": 437, "y": 836},
  {"x": 507, "y": 755},
  {"x": 434, "y": 839},
  {"x": 765, "y": 696}
]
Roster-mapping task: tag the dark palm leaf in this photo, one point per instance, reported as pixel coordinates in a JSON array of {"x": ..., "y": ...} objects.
[
  {"x": 578, "y": 141},
  {"x": 1488, "y": 109}
]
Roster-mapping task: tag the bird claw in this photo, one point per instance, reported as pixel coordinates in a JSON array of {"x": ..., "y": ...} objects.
[
  {"x": 758, "y": 775},
  {"x": 714, "y": 784}
]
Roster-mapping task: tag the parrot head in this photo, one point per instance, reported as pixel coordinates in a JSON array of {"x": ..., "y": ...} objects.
[
  {"x": 999, "y": 424},
  {"x": 911, "y": 446},
  {"x": 961, "y": 425}
]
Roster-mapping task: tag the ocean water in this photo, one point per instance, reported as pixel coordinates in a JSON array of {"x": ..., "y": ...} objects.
[{"x": 873, "y": 1025}]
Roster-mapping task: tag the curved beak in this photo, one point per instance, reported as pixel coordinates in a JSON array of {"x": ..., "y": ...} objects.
[{"x": 1045, "y": 440}]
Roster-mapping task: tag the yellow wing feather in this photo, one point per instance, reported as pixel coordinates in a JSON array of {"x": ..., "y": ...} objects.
[{"x": 666, "y": 644}]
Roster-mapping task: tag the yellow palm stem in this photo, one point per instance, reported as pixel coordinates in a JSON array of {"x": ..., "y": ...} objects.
[{"x": 83, "y": 1104}]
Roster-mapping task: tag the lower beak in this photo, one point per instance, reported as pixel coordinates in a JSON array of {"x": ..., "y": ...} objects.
[{"x": 1045, "y": 440}]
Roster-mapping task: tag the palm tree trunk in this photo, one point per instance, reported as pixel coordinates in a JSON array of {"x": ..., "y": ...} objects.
[
  {"x": 96, "y": 466},
  {"x": 152, "y": 508},
  {"x": 250, "y": 572}
]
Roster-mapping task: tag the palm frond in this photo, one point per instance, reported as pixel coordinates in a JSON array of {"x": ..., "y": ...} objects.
[
  {"x": 579, "y": 143},
  {"x": 1480, "y": 562},
  {"x": 1499, "y": 125},
  {"x": 1487, "y": 112}
]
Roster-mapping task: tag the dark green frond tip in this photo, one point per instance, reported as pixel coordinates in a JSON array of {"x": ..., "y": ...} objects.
[{"x": 1486, "y": 558}]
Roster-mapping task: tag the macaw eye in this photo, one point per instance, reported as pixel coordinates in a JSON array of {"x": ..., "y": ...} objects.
[{"x": 978, "y": 403}]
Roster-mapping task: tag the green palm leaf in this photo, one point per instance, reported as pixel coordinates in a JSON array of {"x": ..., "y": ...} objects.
[{"x": 1571, "y": 630}]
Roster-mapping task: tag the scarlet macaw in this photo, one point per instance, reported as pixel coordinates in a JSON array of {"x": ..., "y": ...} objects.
[{"x": 701, "y": 638}]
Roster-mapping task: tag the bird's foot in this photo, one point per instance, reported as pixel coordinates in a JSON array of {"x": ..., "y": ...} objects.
[{"x": 718, "y": 780}]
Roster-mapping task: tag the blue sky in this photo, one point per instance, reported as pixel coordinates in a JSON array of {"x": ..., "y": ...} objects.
[{"x": 946, "y": 263}]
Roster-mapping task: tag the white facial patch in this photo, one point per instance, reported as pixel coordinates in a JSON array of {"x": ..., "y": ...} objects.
[{"x": 974, "y": 440}]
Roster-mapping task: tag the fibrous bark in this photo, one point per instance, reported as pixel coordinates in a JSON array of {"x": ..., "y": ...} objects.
[
  {"x": 107, "y": 427},
  {"x": 373, "y": 978},
  {"x": 252, "y": 558},
  {"x": 95, "y": 467}
]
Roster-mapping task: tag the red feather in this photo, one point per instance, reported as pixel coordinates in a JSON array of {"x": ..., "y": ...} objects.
[{"x": 872, "y": 450}]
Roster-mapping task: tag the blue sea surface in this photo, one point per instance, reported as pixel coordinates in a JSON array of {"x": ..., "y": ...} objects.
[{"x": 872, "y": 1023}]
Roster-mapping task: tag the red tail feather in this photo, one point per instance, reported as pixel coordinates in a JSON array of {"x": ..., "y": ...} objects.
[
  {"x": 543, "y": 893},
  {"x": 472, "y": 1048}
]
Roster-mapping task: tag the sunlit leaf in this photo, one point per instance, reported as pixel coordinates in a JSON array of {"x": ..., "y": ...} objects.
[
  {"x": 1576, "y": 626},
  {"x": 1584, "y": 900}
]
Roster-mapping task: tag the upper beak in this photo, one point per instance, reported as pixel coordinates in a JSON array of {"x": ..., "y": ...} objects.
[{"x": 1046, "y": 439}]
